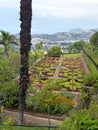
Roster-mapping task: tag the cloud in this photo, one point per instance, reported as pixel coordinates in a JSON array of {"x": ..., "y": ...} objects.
[
  {"x": 51, "y": 14},
  {"x": 44, "y": 11},
  {"x": 68, "y": 9}
]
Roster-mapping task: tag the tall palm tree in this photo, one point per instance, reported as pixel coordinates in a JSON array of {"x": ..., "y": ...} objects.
[
  {"x": 6, "y": 39},
  {"x": 25, "y": 40}
]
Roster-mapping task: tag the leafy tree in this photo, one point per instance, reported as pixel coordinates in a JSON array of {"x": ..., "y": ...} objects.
[
  {"x": 76, "y": 47},
  {"x": 70, "y": 48},
  {"x": 39, "y": 46},
  {"x": 9, "y": 69},
  {"x": 25, "y": 40},
  {"x": 6, "y": 39},
  {"x": 94, "y": 40},
  {"x": 55, "y": 51}
]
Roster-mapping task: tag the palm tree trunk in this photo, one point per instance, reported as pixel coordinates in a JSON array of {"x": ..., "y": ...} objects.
[{"x": 25, "y": 40}]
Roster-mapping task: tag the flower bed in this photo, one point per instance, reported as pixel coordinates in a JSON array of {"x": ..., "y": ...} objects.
[
  {"x": 69, "y": 77},
  {"x": 73, "y": 74},
  {"x": 70, "y": 74},
  {"x": 45, "y": 71}
]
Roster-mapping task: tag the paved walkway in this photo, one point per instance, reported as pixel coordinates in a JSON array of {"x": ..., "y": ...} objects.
[{"x": 30, "y": 119}]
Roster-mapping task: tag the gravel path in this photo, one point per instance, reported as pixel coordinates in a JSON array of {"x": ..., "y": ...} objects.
[
  {"x": 30, "y": 119},
  {"x": 58, "y": 69}
]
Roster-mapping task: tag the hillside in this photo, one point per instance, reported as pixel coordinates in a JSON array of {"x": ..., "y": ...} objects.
[
  {"x": 72, "y": 35},
  {"x": 62, "y": 38}
]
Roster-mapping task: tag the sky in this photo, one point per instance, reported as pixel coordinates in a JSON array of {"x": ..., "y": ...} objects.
[{"x": 50, "y": 16}]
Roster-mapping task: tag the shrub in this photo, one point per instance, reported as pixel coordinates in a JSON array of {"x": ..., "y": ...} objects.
[
  {"x": 8, "y": 124},
  {"x": 54, "y": 52},
  {"x": 79, "y": 120}
]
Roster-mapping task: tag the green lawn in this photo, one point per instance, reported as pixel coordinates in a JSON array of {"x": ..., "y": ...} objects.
[
  {"x": 72, "y": 55},
  {"x": 2, "y": 127}
]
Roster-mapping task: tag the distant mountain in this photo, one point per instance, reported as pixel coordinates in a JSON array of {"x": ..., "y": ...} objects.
[
  {"x": 72, "y": 35},
  {"x": 76, "y": 30},
  {"x": 62, "y": 39}
]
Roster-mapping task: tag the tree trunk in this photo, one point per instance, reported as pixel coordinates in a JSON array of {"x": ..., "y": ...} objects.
[{"x": 25, "y": 40}]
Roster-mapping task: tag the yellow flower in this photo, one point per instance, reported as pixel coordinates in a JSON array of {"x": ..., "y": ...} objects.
[{"x": 46, "y": 105}]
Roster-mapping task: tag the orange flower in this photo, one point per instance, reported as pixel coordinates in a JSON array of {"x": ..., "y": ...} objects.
[{"x": 72, "y": 102}]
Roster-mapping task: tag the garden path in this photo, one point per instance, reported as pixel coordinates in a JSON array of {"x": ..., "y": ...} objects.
[
  {"x": 58, "y": 68},
  {"x": 30, "y": 119}
]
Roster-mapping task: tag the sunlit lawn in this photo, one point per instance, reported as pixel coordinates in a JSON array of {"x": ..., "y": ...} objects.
[{"x": 72, "y": 55}]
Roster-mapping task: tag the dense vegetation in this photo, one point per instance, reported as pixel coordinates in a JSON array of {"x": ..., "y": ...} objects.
[
  {"x": 82, "y": 114},
  {"x": 54, "y": 51},
  {"x": 76, "y": 47},
  {"x": 85, "y": 115}
]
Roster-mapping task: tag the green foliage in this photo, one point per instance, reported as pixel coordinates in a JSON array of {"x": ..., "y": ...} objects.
[
  {"x": 1, "y": 52},
  {"x": 72, "y": 56},
  {"x": 80, "y": 120},
  {"x": 8, "y": 124},
  {"x": 76, "y": 47},
  {"x": 55, "y": 51},
  {"x": 6, "y": 40},
  {"x": 92, "y": 53},
  {"x": 10, "y": 96},
  {"x": 7, "y": 74},
  {"x": 40, "y": 97},
  {"x": 70, "y": 48},
  {"x": 93, "y": 109},
  {"x": 92, "y": 81},
  {"x": 39, "y": 46},
  {"x": 9, "y": 69},
  {"x": 45, "y": 98},
  {"x": 90, "y": 64},
  {"x": 90, "y": 90},
  {"x": 34, "y": 57},
  {"x": 94, "y": 40},
  {"x": 60, "y": 104},
  {"x": 67, "y": 94},
  {"x": 85, "y": 119},
  {"x": 29, "y": 128}
]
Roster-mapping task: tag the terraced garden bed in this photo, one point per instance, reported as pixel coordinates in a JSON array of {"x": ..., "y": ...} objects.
[
  {"x": 72, "y": 74},
  {"x": 69, "y": 76}
]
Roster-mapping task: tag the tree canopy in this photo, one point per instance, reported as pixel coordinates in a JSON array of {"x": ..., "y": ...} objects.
[
  {"x": 39, "y": 46},
  {"x": 94, "y": 40},
  {"x": 55, "y": 51},
  {"x": 76, "y": 47},
  {"x": 6, "y": 39}
]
